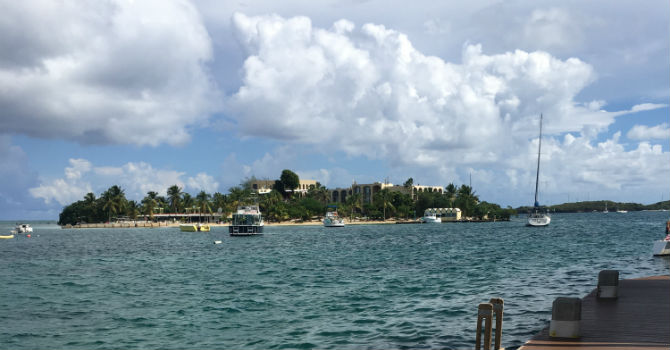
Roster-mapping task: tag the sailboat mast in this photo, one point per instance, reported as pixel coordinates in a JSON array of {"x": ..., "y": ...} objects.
[{"x": 539, "y": 149}]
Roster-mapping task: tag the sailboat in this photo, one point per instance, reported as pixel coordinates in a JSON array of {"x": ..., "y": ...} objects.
[{"x": 537, "y": 217}]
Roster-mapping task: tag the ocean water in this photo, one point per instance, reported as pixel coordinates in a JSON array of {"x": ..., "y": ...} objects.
[{"x": 358, "y": 287}]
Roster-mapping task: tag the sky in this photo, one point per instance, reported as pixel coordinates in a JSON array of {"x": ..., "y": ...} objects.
[{"x": 205, "y": 94}]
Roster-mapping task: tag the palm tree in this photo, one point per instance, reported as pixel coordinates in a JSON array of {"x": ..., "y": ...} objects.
[
  {"x": 386, "y": 198},
  {"x": 354, "y": 202},
  {"x": 133, "y": 209},
  {"x": 466, "y": 200},
  {"x": 174, "y": 197},
  {"x": 114, "y": 201},
  {"x": 202, "y": 200},
  {"x": 450, "y": 193},
  {"x": 187, "y": 200},
  {"x": 319, "y": 192},
  {"x": 150, "y": 203},
  {"x": 220, "y": 202}
]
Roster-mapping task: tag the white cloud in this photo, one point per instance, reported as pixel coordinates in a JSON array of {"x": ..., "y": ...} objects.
[
  {"x": 203, "y": 182},
  {"x": 136, "y": 179},
  {"x": 643, "y": 132},
  {"x": 104, "y": 72},
  {"x": 67, "y": 190}
]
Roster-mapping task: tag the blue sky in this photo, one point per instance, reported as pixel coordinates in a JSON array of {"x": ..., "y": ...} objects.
[{"x": 203, "y": 94}]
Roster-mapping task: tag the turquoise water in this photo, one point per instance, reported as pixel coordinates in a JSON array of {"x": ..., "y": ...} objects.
[{"x": 360, "y": 287}]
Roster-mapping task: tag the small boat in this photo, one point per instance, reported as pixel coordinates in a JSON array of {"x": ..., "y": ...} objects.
[
  {"x": 662, "y": 247},
  {"x": 7, "y": 237},
  {"x": 430, "y": 217},
  {"x": 537, "y": 217},
  {"x": 622, "y": 211},
  {"x": 605, "y": 211},
  {"x": 23, "y": 228},
  {"x": 332, "y": 219},
  {"x": 247, "y": 221},
  {"x": 197, "y": 227}
]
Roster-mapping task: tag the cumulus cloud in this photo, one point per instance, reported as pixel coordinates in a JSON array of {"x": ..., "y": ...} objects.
[
  {"x": 203, "y": 182},
  {"x": 136, "y": 179},
  {"x": 367, "y": 91},
  {"x": 128, "y": 72},
  {"x": 643, "y": 132}
]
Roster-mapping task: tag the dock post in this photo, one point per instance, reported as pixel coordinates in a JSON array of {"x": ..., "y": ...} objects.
[
  {"x": 566, "y": 315},
  {"x": 485, "y": 313},
  {"x": 498, "y": 304},
  {"x": 608, "y": 284}
]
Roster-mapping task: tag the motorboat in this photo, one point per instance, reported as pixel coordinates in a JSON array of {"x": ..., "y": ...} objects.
[
  {"x": 247, "y": 221},
  {"x": 23, "y": 228},
  {"x": 430, "y": 217},
  {"x": 332, "y": 219},
  {"x": 538, "y": 217},
  {"x": 197, "y": 227}
]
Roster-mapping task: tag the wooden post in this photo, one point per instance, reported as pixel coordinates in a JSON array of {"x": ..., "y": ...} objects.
[
  {"x": 485, "y": 313},
  {"x": 498, "y": 304}
]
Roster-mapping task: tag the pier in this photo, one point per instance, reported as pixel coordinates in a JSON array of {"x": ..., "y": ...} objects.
[{"x": 639, "y": 318}]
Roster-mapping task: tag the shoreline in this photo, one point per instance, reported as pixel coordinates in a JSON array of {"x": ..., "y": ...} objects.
[{"x": 148, "y": 224}]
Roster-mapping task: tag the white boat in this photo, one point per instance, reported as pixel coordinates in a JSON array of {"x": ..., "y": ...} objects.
[
  {"x": 605, "y": 211},
  {"x": 662, "y": 247},
  {"x": 430, "y": 217},
  {"x": 622, "y": 211},
  {"x": 247, "y": 221},
  {"x": 332, "y": 219},
  {"x": 537, "y": 217},
  {"x": 23, "y": 228}
]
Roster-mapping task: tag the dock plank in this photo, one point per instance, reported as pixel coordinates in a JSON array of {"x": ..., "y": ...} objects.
[{"x": 638, "y": 319}]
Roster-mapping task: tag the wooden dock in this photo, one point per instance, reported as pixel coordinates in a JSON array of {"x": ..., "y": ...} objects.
[{"x": 638, "y": 319}]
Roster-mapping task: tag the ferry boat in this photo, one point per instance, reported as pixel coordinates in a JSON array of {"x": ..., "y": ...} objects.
[
  {"x": 430, "y": 217},
  {"x": 23, "y": 228},
  {"x": 538, "y": 218},
  {"x": 247, "y": 221},
  {"x": 197, "y": 227},
  {"x": 332, "y": 219}
]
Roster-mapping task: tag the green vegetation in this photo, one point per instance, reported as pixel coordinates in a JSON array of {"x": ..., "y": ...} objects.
[
  {"x": 280, "y": 204},
  {"x": 589, "y": 206}
]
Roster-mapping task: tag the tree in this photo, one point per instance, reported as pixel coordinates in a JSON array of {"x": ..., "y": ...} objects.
[
  {"x": 354, "y": 203},
  {"x": 409, "y": 183},
  {"x": 187, "y": 201},
  {"x": 466, "y": 200},
  {"x": 202, "y": 200},
  {"x": 289, "y": 181},
  {"x": 150, "y": 203},
  {"x": 450, "y": 193},
  {"x": 174, "y": 198},
  {"x": 114, "y": 201},
  {"x": 318, "y": 192},
  {"x": 132, "y": 209},
  {"x": 384, "y": 198}
]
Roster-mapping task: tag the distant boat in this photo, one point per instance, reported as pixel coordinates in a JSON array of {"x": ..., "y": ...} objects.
[
  {"x": 538, "y": 218},
  {"x": 23, "y": 228},
  {"x": 332, "y": 219},
  {"x": 605, "y": 211},
  {"x": 247, "y": 221},
  {"x": 197, "y": 227},
  {"x": 430, "y": 217},
  {"x": 622, "y": 211},
  {"x": 7, "y": 237}
]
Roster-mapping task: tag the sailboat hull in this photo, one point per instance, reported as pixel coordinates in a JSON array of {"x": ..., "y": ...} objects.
[{"x": 538, "y": 221}]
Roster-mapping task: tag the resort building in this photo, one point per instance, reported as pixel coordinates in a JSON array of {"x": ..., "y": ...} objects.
[
  {"x": 265, "y": 186},
  {"x": 447, "y": 214},
  {"x": 368, "y": 191}
]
